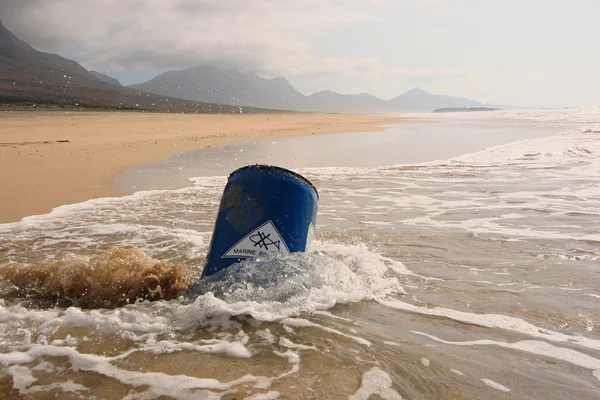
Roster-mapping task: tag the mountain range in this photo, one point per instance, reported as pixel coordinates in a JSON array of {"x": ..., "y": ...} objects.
[
  {"x": 209, "y": 83},
  {"x": 31, "y": 76}
]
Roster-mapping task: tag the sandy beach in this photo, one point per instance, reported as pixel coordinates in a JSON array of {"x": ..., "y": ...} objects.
[{"x": 48, "y": 159}]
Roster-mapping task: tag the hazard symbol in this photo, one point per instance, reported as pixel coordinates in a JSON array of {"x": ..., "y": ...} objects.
[{"x": 264, "y": 239}]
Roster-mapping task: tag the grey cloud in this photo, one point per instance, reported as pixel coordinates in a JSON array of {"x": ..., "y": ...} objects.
[
  {"x": 268, "y": 36},
  {"x": 210, "y": 6},
  {"x": 16, "y": 15}
]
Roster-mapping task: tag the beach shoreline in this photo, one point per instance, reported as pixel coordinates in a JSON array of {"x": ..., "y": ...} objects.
[{"x": 48, "y": 159}]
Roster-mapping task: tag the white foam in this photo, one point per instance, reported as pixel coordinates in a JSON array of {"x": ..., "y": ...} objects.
[
  {"x": 71, "y": 210},
  {"x": 495, "y": 385},
  {"x": 341, "y": 274},
  {"x": 291, "y": 345},
  {"x": 494, "y": 321},
  {"x": 457, "y": 372},
  {"x": 270, "y": 395},
  {"x": 425, "y": 362},
  {"x": 124, "y": 319},
  {"x": 285, "y": 286},
  {"x": 266, "y": 335},
  {"x": 19, "y": 313},
  {"x": 345, "y": 274},
  {"x": 23, "y": 381},
  {"x": 545, "y": 116},
  {"x": 531, "y": 346},
  {"x": 214, "y": 346},
  {"x": 293, "y": 358},
  {"x": 304, "y": 323},
  {"x": 22, "y": 378},
  {"x": 424, "y": 194},
  {"x": 376, "y": 382},
  {"x": 580, "y": 143},
  {"x": 290, "y": 355},
  {"x": 558, "y": 115},
  {"x": 288, "y": 329},
  {"x": 44, "y": 366},
  {"x": 157, "y": 384},
  {"x": 330, "y": 315}
]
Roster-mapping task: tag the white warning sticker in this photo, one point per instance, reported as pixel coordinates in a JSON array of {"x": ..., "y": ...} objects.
[{"x": 264, "y": 239}]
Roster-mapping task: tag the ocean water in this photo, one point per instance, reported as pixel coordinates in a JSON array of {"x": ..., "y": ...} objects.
[{"x": 468, "y": 272}]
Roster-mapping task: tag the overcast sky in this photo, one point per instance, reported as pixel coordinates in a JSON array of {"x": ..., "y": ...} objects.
[{"x": 521, "y": 52}]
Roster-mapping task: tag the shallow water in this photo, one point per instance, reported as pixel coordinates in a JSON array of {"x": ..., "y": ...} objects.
[
  {"x": 471, "y": 277},
  {"x": 398, "y": 144}
]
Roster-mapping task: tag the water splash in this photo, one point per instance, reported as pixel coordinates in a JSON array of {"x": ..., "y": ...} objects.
[{"x": 111, "y": 278}]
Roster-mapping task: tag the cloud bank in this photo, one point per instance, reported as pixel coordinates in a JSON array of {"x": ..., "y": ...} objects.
[{"x": 271, "y": 37}]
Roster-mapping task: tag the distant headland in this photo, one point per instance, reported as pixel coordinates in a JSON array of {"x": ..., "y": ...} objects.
[{"x": 465, "y": 109}]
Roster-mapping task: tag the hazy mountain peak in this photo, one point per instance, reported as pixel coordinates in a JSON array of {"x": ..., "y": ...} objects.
[
  {"x": 419, "y": 100},
  {"x": 199, "y": 68},
  {"x": 8, "y": 41},
  {"x": 226, "y": 86},
  {"x": 417, "y": 90},
  {"x": 326, "y": 91}
]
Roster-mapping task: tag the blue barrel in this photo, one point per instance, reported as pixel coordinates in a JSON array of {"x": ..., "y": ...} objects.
[{"x": 264, "y": 209}]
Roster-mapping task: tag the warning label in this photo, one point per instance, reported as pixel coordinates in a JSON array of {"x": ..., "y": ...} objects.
[{"x": 264, "y": 239}]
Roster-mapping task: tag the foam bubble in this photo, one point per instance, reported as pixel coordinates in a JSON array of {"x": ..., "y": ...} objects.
[
  {"x": 266, "y": 335},
  {"x": 270, "y": 395},
  {"x": 376, "y": 382},
  {"x": 495, "y": 385},
  {"x": 291, "y": 345}
]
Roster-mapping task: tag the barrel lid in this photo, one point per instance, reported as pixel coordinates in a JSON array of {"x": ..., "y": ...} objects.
[{"x": 280, "y": 169}]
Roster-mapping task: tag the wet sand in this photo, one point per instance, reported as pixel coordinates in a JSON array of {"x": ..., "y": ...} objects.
[{"x": 48, "y": 159}]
